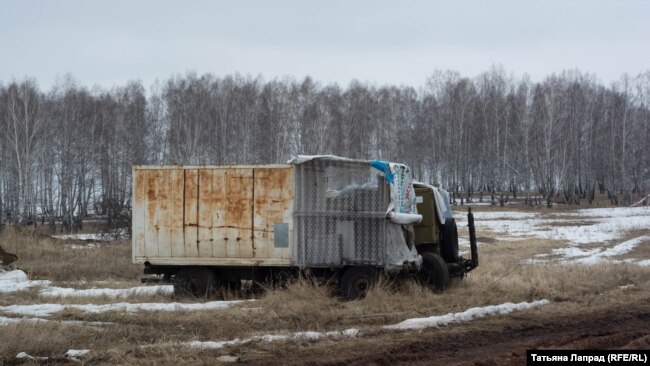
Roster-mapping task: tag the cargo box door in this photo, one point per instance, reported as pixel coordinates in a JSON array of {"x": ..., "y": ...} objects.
[
  {"x": 273, "y": 212},
  {"x": 218, "y": 214}
]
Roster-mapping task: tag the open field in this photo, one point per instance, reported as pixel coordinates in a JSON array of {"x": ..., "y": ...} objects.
[{"x": 592, "y": 268}]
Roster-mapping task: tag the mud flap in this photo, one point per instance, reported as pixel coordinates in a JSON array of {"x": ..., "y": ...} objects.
[{"x": 473, "y": 261}]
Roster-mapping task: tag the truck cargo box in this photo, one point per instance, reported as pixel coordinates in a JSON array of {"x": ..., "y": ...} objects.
[
  {"x": 213, "y": 215},
  {"x": 315, "y": 212}
]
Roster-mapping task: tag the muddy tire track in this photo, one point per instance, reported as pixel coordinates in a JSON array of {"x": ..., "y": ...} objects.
[{"x": 613, "y": 329}]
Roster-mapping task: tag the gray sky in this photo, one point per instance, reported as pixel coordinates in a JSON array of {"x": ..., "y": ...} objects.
[{"x": 108, "y": 42}]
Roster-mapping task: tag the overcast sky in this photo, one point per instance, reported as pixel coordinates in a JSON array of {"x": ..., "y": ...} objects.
[{"x": 109, "y": 42}]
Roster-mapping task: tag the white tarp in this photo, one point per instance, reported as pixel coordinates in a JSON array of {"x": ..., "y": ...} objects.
[
  {"x": 441, "y": 198},
  {"x": 402, "y": 209},
  {"x": 442, "y": 204}
]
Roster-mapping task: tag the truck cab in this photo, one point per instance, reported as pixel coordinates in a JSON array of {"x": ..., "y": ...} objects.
[{"x": 436, "y": 235}]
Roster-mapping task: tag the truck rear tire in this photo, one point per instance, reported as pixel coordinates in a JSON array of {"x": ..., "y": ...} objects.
[
  {"x": 195, "y": 282},
  {"x": 434, "y": 271},
  {"x": 356, "y": 281}
]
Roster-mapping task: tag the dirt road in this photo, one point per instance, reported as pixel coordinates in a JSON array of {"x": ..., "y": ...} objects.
[{"x": 616, "y": 328}]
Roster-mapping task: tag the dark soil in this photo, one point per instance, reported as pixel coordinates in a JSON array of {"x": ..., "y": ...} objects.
[{"x": 614, "y": 329}]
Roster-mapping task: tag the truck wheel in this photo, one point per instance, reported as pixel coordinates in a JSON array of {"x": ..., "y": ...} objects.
[
  {"x": 450, "y": 241},
  {"x": 194, "y": 282},
  {"x": 434, "y": 271},
  {"x": 356, "y": 281}
]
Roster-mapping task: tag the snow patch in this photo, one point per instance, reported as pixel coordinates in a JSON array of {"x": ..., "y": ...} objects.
[
  {"x": 463, "y": 241},
  {"x": 596, "y": 225},
  {"x": 81, "y": 246},
  {"x": 92, "y": 236},
  {"x": 600, "y": 225},
  {"x": 44, "y": 310},
  {"x": 17, "y": 280},
  {"x": 228, "y": 359},
  {"x": 572, "y": 255},
  {"x": 4, "y": 321},
  {"x": 613, "y": 212},
  {"x": 572, "y": 252},
  {"x": 26, "y": 356},
  {"x": 108, "y": 292},
  {"x": 465, "y": 316},
  {"x": 76, "y": 354},
  {"x": 307, "y": 336},
  {"x": 619, "y": 249}
]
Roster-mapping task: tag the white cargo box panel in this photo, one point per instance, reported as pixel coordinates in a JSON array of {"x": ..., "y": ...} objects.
[{"x": 213, "y": 215}]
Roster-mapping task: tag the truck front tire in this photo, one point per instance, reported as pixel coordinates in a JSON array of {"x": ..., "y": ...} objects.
[{"x": 434, "y": 271}]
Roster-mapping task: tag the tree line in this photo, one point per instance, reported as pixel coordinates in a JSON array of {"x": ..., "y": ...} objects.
[{"x": 67, "y": 152}]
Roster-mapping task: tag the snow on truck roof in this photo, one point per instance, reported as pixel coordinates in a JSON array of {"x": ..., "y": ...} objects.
[
  {"x": 300, "y": 159},
  {"x": 296, "y": 160}
]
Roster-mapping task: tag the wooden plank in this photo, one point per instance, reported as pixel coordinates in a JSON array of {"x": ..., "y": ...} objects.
[
  {"x": 273, "y": 205},
  {"x": 205, "y": 213},
  {"x": 190, "y": 216},
  {"x": 151, "y": 213},
  {"x": 219, "y": 234},
  {"x": 164, "y": 213},
  {"x": 177, "y": 191},
  {"x": 239, "y": 213},
  {"x": 137, "y": 228}
]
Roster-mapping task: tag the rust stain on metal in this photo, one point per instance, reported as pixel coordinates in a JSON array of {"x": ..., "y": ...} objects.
[
  {"x": 252, "y": 217},
  {"x": 139, "y": 187},
  {"x": 151, "y": 197},
  {"x": 217, "y": 212}
]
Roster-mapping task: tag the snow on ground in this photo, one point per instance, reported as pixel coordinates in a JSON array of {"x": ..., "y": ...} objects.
[
  {"x": 91, "y": 236},
  {"x": 579, "y": 227},
  {"x": 109, "y": 292},
  {"x": 4, "y": 321},
  {"x": 307, "y": 336},
  {"x": 94, "y": 236},
  {"x": 464, "y": 316},
  {"x": 598, "y": 255},
  {"x": 76, "y": 354},
  {"x": 17, "y": 280},
  {"x": 82, "y": 246},
  {"x": 613, "y": 212},
  {"x": 71, "y": 354},
  {"x": 44, "y": 310},
  {"x": 602, "y": 226},
  {"x": 25, "y": 356}
]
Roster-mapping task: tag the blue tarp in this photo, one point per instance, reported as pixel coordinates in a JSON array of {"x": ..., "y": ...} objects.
[{"x": 385, "y": 168}]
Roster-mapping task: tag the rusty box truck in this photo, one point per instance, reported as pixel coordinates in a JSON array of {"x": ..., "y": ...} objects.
[{"x": 209, "y": 227}]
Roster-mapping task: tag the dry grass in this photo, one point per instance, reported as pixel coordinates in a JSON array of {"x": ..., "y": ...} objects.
[
  {"x": 303, "y": 305},
  {"x": 43, "y": 257}
]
